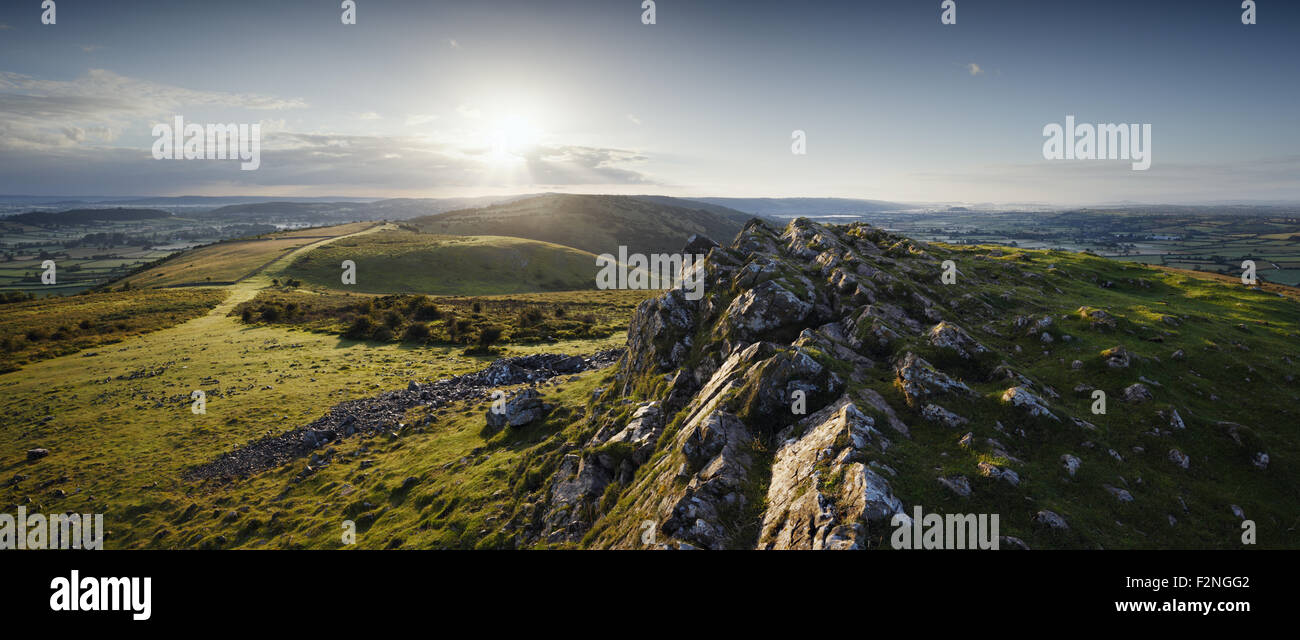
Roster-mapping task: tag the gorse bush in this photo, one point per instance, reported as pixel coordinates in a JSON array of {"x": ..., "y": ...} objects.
[{"x": 446, "y": 320}]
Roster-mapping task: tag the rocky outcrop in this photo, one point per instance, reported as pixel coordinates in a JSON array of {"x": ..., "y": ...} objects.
[
  {"x": 822, "y": 494},
  {"x": 919, "y": 380},
  {"x": 1030, "y": 403},
  {"x": 756, "y": 416}
]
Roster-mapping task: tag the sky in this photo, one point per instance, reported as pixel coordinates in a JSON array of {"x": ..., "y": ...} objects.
[{"x": 457, "y": 98}]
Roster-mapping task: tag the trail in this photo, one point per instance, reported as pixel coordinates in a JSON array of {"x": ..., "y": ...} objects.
[{"x": 246, "y": 288}]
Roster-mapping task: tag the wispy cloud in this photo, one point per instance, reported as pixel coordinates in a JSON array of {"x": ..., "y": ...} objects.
[
  {"x": 467, "y": 111},
  {"x": 974, "y": 68},
  {"x": 99, "y": 105},
  {"x": 420, "y": 118},
  {"x": 633, "y": 119}
]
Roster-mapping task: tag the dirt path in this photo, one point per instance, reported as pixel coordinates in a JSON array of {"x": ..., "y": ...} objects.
[{"x": 246, "y": 288}]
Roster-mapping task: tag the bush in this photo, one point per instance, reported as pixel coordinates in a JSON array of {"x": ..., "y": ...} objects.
[
  {"x": 488, "y": 335},
  {"x": 393, "y": 319},
  {"x": 529, "y": 316},
  {"x": 416, "y": 332},
  {"x": 382, "y": 334},
  {"x": 271, "y": 313},
  {"x": 360, "y": 328},
  {"x": 426, "y": 311}
]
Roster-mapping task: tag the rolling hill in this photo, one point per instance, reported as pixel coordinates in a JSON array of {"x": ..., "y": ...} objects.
[
  {"x": 593, "y": 223},
  {"x": 974, "y": 397},
  {"x": 227, "y": 262},
  {"x": 405, "y": 261},
  {"x": 86, "y": 216}
]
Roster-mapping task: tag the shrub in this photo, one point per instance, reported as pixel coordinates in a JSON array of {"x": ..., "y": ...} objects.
[
  {"x": 360, "y": 328},
  {"x": 529, "y": 316},
  {"x": 426, "y": 311},
  {"x": 416, "y": 332},
  {"x": 271, "y": 312},
  {"x": 393, "y": 319},
  {"x": 489, "y": 335}
]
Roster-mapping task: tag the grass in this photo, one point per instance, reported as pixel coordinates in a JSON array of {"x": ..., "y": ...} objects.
[
  {"x": 404, "y": 261},
  {"x": 227, "y": 262},
  {"x": 257, "y": 380},
  {"x": 1239, "y": 348},
  {"x": 121, "y": 433},
  {"x": 523, "y": 318},
  {"x": 50, "y": 327}
]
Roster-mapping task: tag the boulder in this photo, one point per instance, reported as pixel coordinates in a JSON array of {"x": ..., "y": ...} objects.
[
  {"x": 1024, "y": 399},
  {"x": 522, "y": 408}
]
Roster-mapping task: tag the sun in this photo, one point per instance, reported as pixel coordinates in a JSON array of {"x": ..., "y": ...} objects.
[{"x": 513, "y": 136}]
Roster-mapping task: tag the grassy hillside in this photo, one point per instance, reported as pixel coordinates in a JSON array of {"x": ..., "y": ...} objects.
[
  {"x": 403, "y": 261},
  {"x": 50, "y": 327},
  {"x": 121, "y": 434},
  {"x": 596, "y": 224},
  {"x": 226, "y": 262}
]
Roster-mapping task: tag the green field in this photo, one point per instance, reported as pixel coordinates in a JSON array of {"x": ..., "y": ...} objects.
[
  {"x": 50, "y": 327},
  {"x": 404, "y": 261},
  {"x": 227, "y": 262}
]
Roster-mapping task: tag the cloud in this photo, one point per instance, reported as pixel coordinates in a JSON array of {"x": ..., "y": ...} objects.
[
  {"x": 313, "y": 162},
  {"x": 974, "y": 69},
  {"x": 454, "y": 44},
  {"x": 36, "y": 112},
  {"x": 65, "y": 136},
  {"x": 633, "y": 119},
  {"x": 420, "y": 118}
]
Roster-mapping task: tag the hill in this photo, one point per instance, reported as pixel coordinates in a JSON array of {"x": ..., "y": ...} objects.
[
  {"x": 404, "y": 261},
  {"x": 593, "y": 223},
  {"x": 967, "y": 398},
  {"x": 86, "y": 216},
  {"x": 228, "y": 262},
  {"x": 971, "y": 397},
  {"x": 794, "y": 207}
]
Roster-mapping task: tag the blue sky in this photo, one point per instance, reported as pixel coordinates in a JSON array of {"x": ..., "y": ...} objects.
[{"x": 461, "y": 98}]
